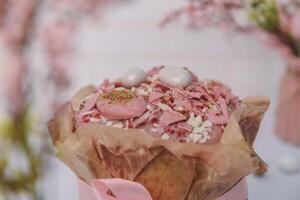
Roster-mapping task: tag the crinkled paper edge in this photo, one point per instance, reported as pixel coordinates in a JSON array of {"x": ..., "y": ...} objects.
[{"x": 97, "y": 151}]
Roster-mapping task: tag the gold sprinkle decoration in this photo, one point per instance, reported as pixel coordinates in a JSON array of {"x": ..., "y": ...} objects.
[{"x": 118, "y": 96}]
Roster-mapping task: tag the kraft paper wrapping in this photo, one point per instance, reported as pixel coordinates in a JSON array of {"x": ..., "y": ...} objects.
[{"x": 169, "y": 170}]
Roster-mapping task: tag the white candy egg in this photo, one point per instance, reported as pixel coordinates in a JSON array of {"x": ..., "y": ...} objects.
[
  {"x": 133, "y": 77},
  {"x": 176, "y": 76},
  {"x": 289, "y": 164}
]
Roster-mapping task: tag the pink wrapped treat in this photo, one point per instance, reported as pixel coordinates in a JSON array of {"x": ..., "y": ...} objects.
[
  {"x": 162, "y": 134},
  {"x": 134, "y": 191}
]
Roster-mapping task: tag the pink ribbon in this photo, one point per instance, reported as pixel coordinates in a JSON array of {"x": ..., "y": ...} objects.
[
  {"x": 129, "y": 190},
  {"x": 120, "y": 188}
]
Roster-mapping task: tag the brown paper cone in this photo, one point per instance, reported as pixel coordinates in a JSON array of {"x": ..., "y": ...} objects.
[{"x": 169, "y": 170}]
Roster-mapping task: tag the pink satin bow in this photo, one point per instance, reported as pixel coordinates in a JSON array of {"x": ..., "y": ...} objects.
[
  {"x": 129, "y": 190},
  {"x": 120, "y": 188}
]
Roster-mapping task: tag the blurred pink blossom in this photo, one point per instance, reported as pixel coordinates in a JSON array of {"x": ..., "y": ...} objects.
[
  {"x": 295, "y": 25},
  {"x": 57, "y": 40},
  {"x": 14, "y": 80},
  {"x": 17, "y": 22},
  {"x": 234, "y": 15}
]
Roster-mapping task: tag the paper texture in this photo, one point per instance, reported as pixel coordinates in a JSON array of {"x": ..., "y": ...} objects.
[{"x": 169, "y": 170}]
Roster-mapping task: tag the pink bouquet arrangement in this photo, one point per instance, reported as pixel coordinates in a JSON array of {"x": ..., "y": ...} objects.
[
  {"x": 162, "y": 134},
  {"x": 277, "y": 24}
]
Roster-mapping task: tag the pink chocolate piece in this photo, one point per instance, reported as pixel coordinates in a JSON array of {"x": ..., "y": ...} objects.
[
  {"x": 181, "y": 101},
  {"x": 89, "y": 104},
  {"x": 170, "y": 117},
  {"x": 154, "y": 96},
  {"x": 224, "y": 109},
  {"x": 119, "y": 111},
  {"x": 226, "y": 93},
  {"x": 185, "y": 126},
  {"x": 215, "y": 118},
  {"x": 153, "y": 71},
  {"x": 201, "y": 89},
  {"x": 196, "y": 95},
  {"x": 141, "y": 120},
  {"x": 215, "y": 134},
  {"x": 155, "y": 115}
]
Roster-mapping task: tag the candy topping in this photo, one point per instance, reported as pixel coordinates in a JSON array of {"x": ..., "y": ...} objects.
[
  {"x": 133, "y": 77},
  {"x": 118, "y": 96},
  {"x": 175, "y": 76},
  {"x": 169, "y": 103}
]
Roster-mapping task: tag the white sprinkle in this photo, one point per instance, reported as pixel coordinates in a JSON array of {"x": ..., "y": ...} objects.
[
  {"x": 189, "y": 138},
  {"x": 133, "y": 89},
  {"x": 150, "y": 108},
  {"x": 200, "y": 134},
  {"x": 149, "y": 89},
  {"x": 109, "y": 123},
  {"x": 207, "y": 124},
  {"x": 164, "y": 107},
  {"x": 202, "y": 140},
  {"x": 153, "y": 129},
  {"x": 156, "y": 125},
  {"x": 103, "y": 120},
  {"x": 194, "y": 121},
  {"x": 118, "y": 125},
  {"x": 126, "y": 123},
  {"x": 87, "y": 113},
  {"x": 92, "y": 119},
  {"x": 165, "y": 136},
  {"x": 198, "y": 138},
  {"x": 143, "y": 92}
]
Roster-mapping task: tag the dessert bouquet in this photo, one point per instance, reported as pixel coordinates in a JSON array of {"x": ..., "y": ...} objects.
[{"x": 164, "y": 132}]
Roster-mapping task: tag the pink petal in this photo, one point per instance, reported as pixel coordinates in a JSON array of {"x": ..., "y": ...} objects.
[{"x": 295, "y": 25}]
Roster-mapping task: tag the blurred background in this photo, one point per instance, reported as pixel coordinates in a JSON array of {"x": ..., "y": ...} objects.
[{"x": 49, "y": 49}]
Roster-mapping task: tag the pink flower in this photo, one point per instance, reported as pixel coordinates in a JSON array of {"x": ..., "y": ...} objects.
[
  {"x": 57, "y": 40},
  {"x": 295, "y": 25}
]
